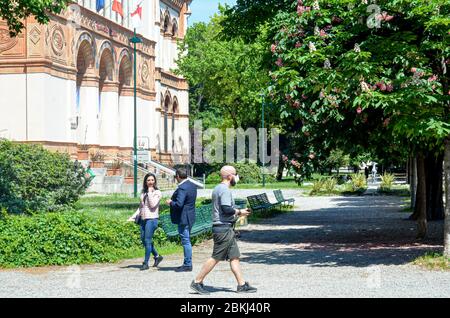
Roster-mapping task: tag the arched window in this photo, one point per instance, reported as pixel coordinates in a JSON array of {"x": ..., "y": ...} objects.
[
  {"x": 174, "y": 28},
  {"x": 106, "y": 73},
  {"x": 166, "y": 23},
  {"x": 85, "y": 59}
]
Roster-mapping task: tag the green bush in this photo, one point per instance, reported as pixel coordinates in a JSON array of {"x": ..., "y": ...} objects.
[
  {"x": 33, "y": 179},
  {"x": 387, "y": 180},
  {"x": 317, "y": 186},
  {"x": 358, "y": 183},
  {"x": 66, "y": 238},
  {"x": 330, "y": 184},
  {"x": 213, "y": 178},
  {"x": 248, "y": 172}
]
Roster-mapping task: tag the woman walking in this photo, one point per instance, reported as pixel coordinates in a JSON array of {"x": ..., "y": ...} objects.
[{"x": 148, "y": 213}]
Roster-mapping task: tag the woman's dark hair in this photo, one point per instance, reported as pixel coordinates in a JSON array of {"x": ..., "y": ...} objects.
[{"x": 145, "y": 187}]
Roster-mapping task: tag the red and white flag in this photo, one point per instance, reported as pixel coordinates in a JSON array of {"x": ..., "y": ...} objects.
[{"x": 136, "y": 16}]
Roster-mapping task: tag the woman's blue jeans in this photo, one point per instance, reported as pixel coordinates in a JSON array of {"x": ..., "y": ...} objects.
[{"x": 148, "y": 228}]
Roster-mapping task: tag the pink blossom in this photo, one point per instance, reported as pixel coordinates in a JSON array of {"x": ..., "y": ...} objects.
[
  {"x": 433, "y": 78},
  {"x": 386, "y": 122},
  {"x": 312, "y": 156},
  {"x": 389, "y": 87},
  {"x": 304, "y": 97},
  {"x": 279, "y": 62},
  {"x": 323, "y": 33},
  {"x": 359, "y": 110},
  {"x": 384, "y": 17},
  {"x": 301, "y": 9},
  {"x": 273, "y": 48},
  {"x": 298, "y": 44},
  {"x": 414, "y": 69},
  {"x": 296, "y": 104}
]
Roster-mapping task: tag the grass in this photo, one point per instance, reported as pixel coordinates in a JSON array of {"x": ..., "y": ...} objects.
[
  {"x": 433, "y": 261},
  {"x": 401, "y": 190}
]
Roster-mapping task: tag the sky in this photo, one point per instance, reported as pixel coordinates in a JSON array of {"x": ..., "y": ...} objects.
[{"x": 202, "y": 10}]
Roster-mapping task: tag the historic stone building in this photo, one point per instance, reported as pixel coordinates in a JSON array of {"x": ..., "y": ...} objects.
[{"x": 69, "y": 84}]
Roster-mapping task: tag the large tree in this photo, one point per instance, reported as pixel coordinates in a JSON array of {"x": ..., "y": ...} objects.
[{"x": 336, "y": 62}]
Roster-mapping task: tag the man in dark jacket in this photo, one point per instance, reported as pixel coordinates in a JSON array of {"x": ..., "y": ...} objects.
[{"x": 182, "y": 212}]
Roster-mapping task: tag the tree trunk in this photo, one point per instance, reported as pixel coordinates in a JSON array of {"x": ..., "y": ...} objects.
[
  {"x": 421, "y": 198},
  {"x": 447, "y": 199},
  {"x": 408, "y": 171},
  {"x": 280, "y": 169},
  {"x": 413, "y": 186},
  {"x": 434, "y": 176}
]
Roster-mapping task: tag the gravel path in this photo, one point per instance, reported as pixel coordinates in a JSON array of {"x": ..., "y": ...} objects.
[{"x": 328, "y": 247}]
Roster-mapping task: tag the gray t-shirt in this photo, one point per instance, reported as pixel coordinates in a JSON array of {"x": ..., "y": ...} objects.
[{"x": 221, "y": 195}]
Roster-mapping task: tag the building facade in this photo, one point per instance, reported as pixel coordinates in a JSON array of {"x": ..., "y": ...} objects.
[{"x": 69, "y": 84}]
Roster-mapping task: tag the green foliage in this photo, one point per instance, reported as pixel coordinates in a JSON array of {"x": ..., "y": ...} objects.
[
  {"x": 351, "y": 85},
  {"x": 330, "y": 185},
  {"x": 33, "y": 179},
  {"x": 65, "y": 238},
  {"x": 358, "y": 183},
  {"x": 337, "y": 159},
  {"x": 249, "y": 173},
  {"x": 225, "y": 76},
  {"x": 317, "y": 186},
  {"x": 14, "y": 12},
  {"x": 323, "y": 185},
  {"x": 213, "y": 178},
  {"x": 387, "y": 180}
]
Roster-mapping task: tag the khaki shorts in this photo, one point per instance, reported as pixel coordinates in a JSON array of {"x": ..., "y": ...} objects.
[{"x": 225, "y": 245}]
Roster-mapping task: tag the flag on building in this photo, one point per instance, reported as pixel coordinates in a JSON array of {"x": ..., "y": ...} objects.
[
  {"x": 136, "y": 16},
  {"x": 100, "y": 5},
  {"x": 117, "y": 7}
]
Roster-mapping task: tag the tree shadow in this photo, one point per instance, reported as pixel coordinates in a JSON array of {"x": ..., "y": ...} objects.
[{"x": 353, "y": 232}]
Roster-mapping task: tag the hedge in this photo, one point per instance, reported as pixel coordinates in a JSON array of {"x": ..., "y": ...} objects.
[{"x": 66, "y": 238}]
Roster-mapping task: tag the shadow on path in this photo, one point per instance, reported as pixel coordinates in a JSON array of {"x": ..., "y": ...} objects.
[{"x": 345, "y": 231}]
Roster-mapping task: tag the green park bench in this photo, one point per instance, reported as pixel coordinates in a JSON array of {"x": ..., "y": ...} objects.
[
  {"x": 203, "y": 222},
  {"x": 260, "y": 202},
  {"x": 281, "y": 199}
]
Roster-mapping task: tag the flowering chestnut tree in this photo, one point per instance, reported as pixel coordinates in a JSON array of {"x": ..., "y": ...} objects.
[{"x": 350, "y": 69}]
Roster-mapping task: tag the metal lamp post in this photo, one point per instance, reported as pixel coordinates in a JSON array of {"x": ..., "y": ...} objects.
[
  {"x": 135, "y": 40},
  {"x": 263, "y": 141}
]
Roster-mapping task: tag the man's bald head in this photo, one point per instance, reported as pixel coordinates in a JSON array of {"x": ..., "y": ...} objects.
[{"x": 227, "y": 171}]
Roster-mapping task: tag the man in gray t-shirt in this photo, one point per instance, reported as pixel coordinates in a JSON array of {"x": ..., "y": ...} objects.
[
  {"x": 222, "y": 196},
  {"x": 224, "y": 215}
]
